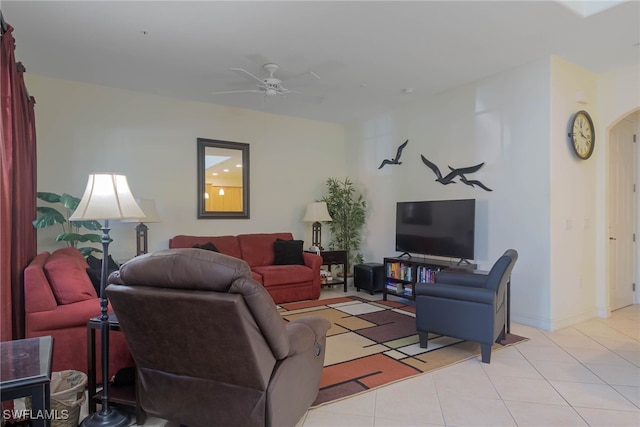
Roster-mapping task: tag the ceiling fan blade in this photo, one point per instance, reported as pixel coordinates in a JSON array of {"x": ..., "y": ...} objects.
[
  {"x": 238, "y": 91},
  {"x": 302, "y": 79},
  {"x": 246, "y": 74}
]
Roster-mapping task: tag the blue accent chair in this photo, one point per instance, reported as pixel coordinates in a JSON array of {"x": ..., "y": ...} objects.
[{"x": 466, "y": 306}]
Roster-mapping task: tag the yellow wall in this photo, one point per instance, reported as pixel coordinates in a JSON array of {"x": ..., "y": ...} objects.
[{"x": 83, "y": 129}]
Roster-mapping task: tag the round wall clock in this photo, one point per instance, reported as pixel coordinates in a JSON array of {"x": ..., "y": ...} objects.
[{"x": 582, "y": 135}]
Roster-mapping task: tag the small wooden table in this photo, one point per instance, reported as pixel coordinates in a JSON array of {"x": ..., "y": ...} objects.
[
  {"x": 123, "y": 396},
  {"x": 331, "y": 258},
  {"x": 26, "y": 371}
]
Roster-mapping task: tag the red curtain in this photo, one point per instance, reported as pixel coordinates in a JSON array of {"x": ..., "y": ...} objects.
[{"x": 18, "y": 239}]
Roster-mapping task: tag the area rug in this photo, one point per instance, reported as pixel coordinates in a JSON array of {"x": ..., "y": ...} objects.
[{"x": 373, "y": 343}]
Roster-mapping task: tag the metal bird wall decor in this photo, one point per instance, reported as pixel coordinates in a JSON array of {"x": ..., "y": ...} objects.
[
  {"x": 460, "y": 173},
  {"x": 396, "y": 159}
]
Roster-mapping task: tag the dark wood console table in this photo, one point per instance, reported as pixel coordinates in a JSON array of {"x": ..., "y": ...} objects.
[{"x": 123, "y": 396}]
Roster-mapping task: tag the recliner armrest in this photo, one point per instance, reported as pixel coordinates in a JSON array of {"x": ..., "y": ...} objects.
[
  {"x": 461, "y": 293},
  {"x": 461, "y": 279},
  {"x": 305, "y": 332}
]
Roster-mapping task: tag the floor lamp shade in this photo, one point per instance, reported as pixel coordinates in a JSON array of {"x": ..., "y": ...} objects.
[
  {"x": 316, "y": 212},
  {"x": 150, "y": 215},
  {"x": 106, "y": 197}
]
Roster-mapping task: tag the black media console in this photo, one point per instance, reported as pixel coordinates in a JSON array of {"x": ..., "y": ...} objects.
[{"x": 401, "y": 274}]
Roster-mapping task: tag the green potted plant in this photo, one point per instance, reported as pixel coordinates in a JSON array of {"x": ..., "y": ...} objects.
[
  {"x": 347, "y": 208},
  {"x": 71, "y": 230}
]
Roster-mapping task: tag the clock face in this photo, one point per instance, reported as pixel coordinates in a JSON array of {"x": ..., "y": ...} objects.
[{"x": 582, "y": 135}]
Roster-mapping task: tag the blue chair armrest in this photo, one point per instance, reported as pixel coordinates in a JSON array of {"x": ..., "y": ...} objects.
[
  {"x": 460, "y": 293},
  {"x": 461, "y": 279}
]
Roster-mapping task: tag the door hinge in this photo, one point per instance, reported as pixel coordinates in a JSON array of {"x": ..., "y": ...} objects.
[
  {"x": 634, "y": 237},
  {"x": 634, "y": 137},
  {"x": 634, "y": 287}
]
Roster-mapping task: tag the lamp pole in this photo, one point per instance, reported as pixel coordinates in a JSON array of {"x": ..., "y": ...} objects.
[{"x": 107, "y": 416}]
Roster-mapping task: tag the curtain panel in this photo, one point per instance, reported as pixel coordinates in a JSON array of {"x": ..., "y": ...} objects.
[{"x": 18, "y": 238}]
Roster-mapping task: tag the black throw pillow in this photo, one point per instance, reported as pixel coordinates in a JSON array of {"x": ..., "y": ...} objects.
[
  {"x": 288, "y": 252},
  {"x": 94, "y": 275},
  {"x": 95, "y": 270},
  {"x": 207, "y": 247}
]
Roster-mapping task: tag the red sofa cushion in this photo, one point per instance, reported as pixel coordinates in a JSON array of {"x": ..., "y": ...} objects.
[
  {"x": 66, "y": 270},
  {"x": 227, "y": 245},
  {"x": 257, "y": 249},
  {"x": 284, "y": 274}
]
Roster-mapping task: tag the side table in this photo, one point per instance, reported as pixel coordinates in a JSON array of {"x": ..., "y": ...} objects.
[
  {"x": 26, "y": 371},
  {"x": 123, "y": 396},
  {"x": 331, "y": 258}
]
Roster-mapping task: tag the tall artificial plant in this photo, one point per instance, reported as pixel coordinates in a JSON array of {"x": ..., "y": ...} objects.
[
  {"x": 347, "y": 208},
  {"x": 71, "y": 230}
]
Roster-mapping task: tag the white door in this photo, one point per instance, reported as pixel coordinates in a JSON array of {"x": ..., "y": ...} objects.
[{"x": 621, "y": 213}]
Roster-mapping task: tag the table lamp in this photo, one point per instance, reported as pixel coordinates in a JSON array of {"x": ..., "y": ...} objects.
[
  {"x": 107, "y": 196},
  {"x": 148, "y": 206},
  {"x": 316, "y": 212}
]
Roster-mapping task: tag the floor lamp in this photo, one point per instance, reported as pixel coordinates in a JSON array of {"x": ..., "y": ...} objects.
[
  {"x": 316, "y": 212},
  {"x": 148, "y": 206},
  {"x": 106, "y": 197}
]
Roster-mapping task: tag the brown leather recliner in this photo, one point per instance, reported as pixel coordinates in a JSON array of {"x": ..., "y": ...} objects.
[{"x": 210, "y": 347}]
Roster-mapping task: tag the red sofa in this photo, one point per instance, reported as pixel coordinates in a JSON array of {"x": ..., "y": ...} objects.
[
  {"x": 285, "y": 283},
  {"x": 59, "y": 301}
]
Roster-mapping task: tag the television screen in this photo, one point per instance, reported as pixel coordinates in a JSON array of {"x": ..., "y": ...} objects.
[{"x": 442, "y": 228}]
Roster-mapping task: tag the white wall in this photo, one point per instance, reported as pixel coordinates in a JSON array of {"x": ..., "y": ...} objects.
[
  {"x": 83, "y": 129},
  {"x": 502, "y": 121},
  {"x": 573, "y": 198}
]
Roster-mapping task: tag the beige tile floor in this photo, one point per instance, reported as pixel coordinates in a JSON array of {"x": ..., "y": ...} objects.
[{"x": 585, "y": 375}]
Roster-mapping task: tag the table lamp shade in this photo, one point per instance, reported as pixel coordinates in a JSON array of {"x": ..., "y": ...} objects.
[
  {"x": 148, "y": 207},
  {"x": 316, "y": 212},
  {"x": 107, "y": 196}
]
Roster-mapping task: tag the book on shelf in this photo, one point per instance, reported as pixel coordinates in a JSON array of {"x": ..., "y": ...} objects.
[
  {"x": 398, "y": 270},
  {"x": 426, "y": 274}
]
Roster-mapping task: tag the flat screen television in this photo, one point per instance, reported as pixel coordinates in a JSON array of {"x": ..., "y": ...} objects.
[{"x": 441, "y": 228}]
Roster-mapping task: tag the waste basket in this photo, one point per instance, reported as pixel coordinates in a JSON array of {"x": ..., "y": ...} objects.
[{"x": 67, "y": 397}]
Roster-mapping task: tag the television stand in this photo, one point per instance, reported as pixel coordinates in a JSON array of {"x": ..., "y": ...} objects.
[
  {"x": 463, "y": 261},
  {"x": 403, "y": 254},
  {"x": 402, "y": 274}
]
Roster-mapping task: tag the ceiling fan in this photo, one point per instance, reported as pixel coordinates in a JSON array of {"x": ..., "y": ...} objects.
[{"x": 272, "y": 86}]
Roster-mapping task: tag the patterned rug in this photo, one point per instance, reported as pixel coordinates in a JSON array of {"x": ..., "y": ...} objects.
[{"x": 373, "y": 343}]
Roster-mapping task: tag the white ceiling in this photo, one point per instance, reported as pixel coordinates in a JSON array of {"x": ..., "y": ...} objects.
[{"x": 365, "y": 52}]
